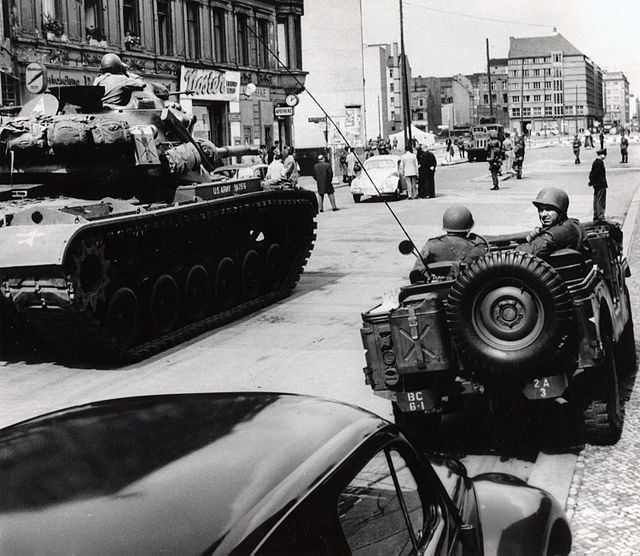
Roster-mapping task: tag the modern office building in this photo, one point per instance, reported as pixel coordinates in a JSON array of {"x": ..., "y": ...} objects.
[
  {"x": 616, "y": 99},
  {"x": 552, "y": 86}
]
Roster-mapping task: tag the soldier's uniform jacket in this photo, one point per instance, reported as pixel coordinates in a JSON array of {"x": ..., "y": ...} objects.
[
  {"x": 568, "y": 234},
  {"x": 494, "y": 149},
  {"x": 452, "y": 247},
  {"x": 624, "y": 144},
  {"x": 576, "y": 144},
  {"x": 118, "y": 87}
]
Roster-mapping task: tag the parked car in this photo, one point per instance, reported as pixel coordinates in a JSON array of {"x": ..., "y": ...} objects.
[
  {"x": 240, "y": 473},
  {"x": 239, "y": 171},
  {"x": 380, "y": 178}
]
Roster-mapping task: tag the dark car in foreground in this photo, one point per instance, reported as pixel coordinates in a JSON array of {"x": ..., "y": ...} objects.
[{"x": 241, "y": 473}]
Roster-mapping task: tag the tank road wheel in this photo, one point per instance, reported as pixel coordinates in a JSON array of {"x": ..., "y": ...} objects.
[
  {"x": 252, "y": 274},
  {"x": 227, "y": 284},
  {"x": 197, "y": 293},
  {"x": 275, "y": 267},
  {"x": 509, "y": 313},
  {"x": 604, "y": 414},
  {"x": 123, "y": 317},
  {"x": 164, "y": 303},
  {"x": 90, "y": 274}
]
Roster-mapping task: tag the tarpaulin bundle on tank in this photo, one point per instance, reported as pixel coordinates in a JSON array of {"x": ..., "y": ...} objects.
[
  {"x": 22, "y": 133},
  {"x": 182, "y": 158},
  {"x": 106, "y": 131}
]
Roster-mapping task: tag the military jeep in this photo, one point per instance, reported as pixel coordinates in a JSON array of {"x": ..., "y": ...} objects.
[{"x": 509, "y": 325}]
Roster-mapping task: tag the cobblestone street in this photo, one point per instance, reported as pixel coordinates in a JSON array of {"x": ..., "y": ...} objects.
[{"x": 603, "y": 503}]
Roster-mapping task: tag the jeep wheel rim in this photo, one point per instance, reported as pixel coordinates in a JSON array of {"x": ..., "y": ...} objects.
[{"x": 508, "y": 317}]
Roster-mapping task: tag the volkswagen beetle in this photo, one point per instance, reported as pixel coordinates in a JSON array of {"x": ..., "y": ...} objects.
[{"x": 380, "y": 178}]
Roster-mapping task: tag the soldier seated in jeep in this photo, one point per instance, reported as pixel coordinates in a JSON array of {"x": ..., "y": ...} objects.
[
  {"x": 558, "y": 231},
  {"x": 458, "y": 245}
]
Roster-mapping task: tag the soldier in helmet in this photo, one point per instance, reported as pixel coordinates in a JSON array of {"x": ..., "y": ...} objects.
[
  {"x": 495, "y": 155},
  {"x": 557, "y": 230},
  {"x": 458, "y": 244},
  {"x": 118, "y": 84}
]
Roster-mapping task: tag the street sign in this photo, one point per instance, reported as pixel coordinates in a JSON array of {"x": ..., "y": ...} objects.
[
  {"x": 36, "y": 78},
  {"x": 317, "y": 120},
  {"x": 282, "y": 111}
]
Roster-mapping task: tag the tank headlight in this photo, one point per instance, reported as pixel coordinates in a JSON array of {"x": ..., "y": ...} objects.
[{"x": 389, "y": 357}]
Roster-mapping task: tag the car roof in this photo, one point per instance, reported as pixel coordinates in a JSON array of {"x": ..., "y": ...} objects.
[{"x": 176, "y": 473}]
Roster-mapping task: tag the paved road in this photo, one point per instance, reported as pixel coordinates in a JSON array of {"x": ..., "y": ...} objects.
[{"x": 310, "y": 343}]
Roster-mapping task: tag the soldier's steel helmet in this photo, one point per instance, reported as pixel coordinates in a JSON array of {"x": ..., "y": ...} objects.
[
  {"x": 457, "y": 218},
  {"x": 553, "y": 197},
  {"x": 111, "y": 63}
]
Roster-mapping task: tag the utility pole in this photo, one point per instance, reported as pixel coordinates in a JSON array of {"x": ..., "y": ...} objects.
[
  {"x": 489, "y": 80},
  {"x": 576, "y": 110},
  {"x": 406, "y": 112}
]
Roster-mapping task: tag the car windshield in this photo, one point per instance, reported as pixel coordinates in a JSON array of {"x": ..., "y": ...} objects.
[{"x": 380, "y": 164}]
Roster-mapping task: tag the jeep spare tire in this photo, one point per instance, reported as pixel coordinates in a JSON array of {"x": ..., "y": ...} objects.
[{"x": 510, "y": 313}]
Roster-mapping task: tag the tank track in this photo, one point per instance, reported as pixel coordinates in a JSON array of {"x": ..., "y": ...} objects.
[{"x": 260, "y": 245}]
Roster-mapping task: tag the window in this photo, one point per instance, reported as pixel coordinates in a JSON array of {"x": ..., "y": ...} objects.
[
  {"x": 242, "y": 39},
  {"x": 515, "y": 112},
  {"x": 130, "y": 18},
  {"x": 548, "y": 84},
  {"x": 557, "y": 111},
  {"x": 537, "y": 98},
  {"x": 536, "y": 71},
  {"x": 568, "y": 110},
  {"x": 94, "y": 27},
  {"x": 536, "y": 84},
  {"x": 526, "y": 111},
  {"x": 289, "y": 30},
  {"x": 525, "y": 73},
  {"x": 548, "y": 111},
  {"x": 505, "y": 99},
  {"x": 9, "y": 88},
  {"x": 371, "y": 512},
  {"x": 547, "y": 98},
  {"x": 557, "y": 57},
  {"x": 526, "y": 85},
  {"x": 526, "y": 98},
  {"x": 580, "y": 110},
  {"x": 515, "y": 98},
  {"x": 263, "y": 43},
  {"x": 537, "y": 110},
  {"x": 514, "y": 73},
  {"x": 219, "y": 36},
  {"x": 513, "y": 86},
  {"x": 485, "y": 99},
  {"x": 51, "y": 9},
  {"x": 421, "y": 102},
  {"x": 283, "y": 49},
  {"x": 164, "y": 26},
  {"x": 391, "y": 86},
  {"x": 193, "y": 30},
  {"x": 557, "y": 98},
  {"x": 557, "y": 72}
]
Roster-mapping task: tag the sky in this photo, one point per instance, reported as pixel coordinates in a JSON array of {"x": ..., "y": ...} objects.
[{"x": 445, "y": 37}]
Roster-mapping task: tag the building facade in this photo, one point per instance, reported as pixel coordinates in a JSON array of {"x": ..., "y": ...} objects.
[
  {"x": 552, "y": 86},
  {"x": 616, "y": 99},
  {"x": 211, "y": 48},
  {"x": 490, "y": 93},
  {"x": 424, "y": 94}
]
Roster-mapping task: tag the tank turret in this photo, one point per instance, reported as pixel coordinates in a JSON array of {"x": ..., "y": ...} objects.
[{"x": 116, "y": 238}]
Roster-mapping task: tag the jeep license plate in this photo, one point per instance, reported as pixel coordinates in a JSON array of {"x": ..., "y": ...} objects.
[
  {"x": 421, "y": 400},
  {"x": 546, "y": 387}
]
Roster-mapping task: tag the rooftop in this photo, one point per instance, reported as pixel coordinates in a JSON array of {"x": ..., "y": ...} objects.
[{"x": 540, "y": 46}]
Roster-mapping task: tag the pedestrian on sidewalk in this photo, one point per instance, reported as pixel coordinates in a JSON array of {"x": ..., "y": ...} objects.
[
  {"x": 601, "y": 139},
  {"x": 323, "y": 174},
  {"x": 448, "y": 150},
  {"x": 588, "y": 139},
  {"x": 426, "y": 173},
  {"x": 576, "y": 148},
  {"x": 598, "y": 180},
  {"x": 624, "y": 148},
  {"x": 460, "y": 143},
  {"x": 351, "y": 165},
  {"x": 507, "y": 149},
  {"x": 409, "y": 169}
]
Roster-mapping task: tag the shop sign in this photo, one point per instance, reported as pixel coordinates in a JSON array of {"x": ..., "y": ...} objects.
[
  {"x": 36, "y": 78},
  {"x": 210, "y": 84},
  {"x": 235, "y": 117},
  {"x": 282, "y": 111},
  {"x": 261, "y": 93}
]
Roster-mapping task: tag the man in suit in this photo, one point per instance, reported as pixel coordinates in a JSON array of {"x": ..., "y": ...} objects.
[{"x": 598, "y": 180}]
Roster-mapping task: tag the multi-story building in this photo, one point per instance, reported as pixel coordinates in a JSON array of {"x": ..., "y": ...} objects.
[
  {"x": 424, "y": 94},
  {"x": 383, "y": 89},
  {"x": 213, "y": 48},
  {"x": 616, "y": 99},
  {"x": 552, "y": 85},
  {"x": 492, "y": 103}
]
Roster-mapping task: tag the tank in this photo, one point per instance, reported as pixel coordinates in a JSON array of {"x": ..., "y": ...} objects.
[{"x": 117, "y": 241}]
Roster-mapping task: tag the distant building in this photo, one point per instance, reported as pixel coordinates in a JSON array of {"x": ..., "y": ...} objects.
[
  {"x": 552, "y": 85},
  {"x": 333, "y": 54},
  {"x": 383, "y": 89},
  {"x": 616, "y": 99},
  {"x": 494, "y": 103},
  {"x": 213, "y": 48},
  {"x": 456, "y": 91},
  {"x": 424, "y": 94}
]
